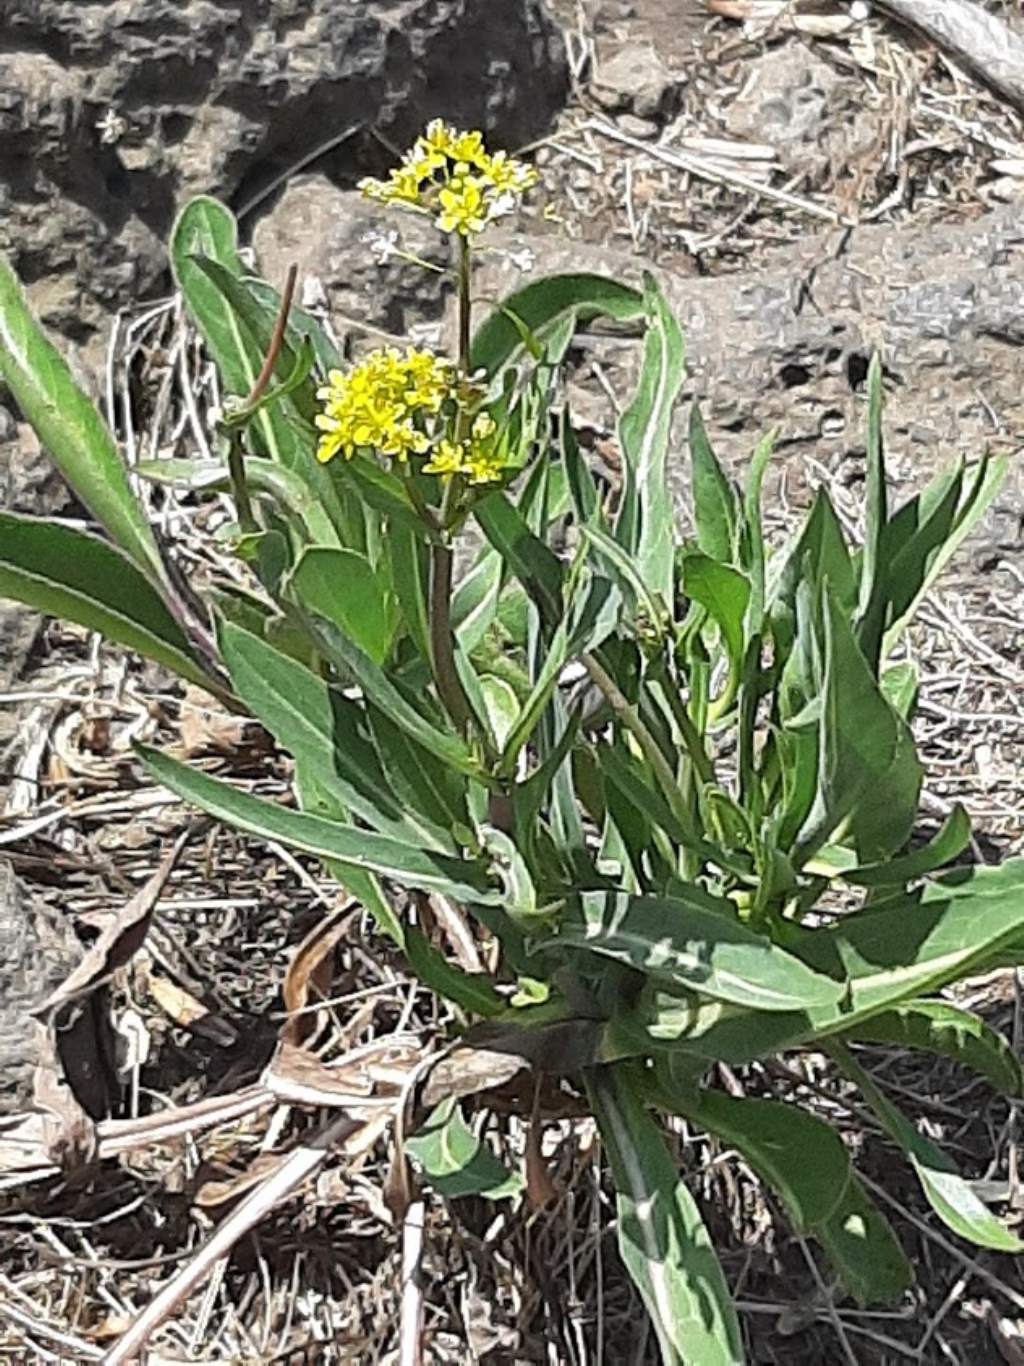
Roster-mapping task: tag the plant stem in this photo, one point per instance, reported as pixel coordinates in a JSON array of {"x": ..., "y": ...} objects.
[
  {"x": 465, "y": 304},
  {"x": 239, "y": 489},
  {"x": 442, "y": 646}
]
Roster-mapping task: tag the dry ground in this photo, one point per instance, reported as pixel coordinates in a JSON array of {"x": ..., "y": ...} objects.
[{"x": 321, "y": 1281}]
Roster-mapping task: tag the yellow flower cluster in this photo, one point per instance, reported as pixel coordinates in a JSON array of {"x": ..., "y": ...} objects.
[
  {"x": 475, "y": 457},
  {"x": 389, "y": 403},
  {"x": 452, "y": 175},
  {"x": 402, "y": 405}
]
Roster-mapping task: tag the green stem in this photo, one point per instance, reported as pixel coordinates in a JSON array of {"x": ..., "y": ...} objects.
[
  {"x": 239, "y": 489},
  {"x": 441, "y": 643}
]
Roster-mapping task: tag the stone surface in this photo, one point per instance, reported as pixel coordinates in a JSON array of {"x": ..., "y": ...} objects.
[
  {"x": 38, "y": 949},
  {"x": 112, "y": 114},
  {"x": 332, "y": 236},
  {"x": 636, "y": 79}
]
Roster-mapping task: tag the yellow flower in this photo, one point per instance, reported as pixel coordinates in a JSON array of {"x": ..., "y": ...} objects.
[
  {"x": 387, "y": 403},
  {"x": 462, "y": 206},
  {"x": 448, "y": 458},
  {"x": 451, "y": 174}
]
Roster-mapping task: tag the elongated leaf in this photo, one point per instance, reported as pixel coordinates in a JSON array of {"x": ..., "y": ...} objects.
[
  {"x": 870, "y": 775},
  {"x": 582, "y": 486},
  {"x": 988, "y": 480},
  {"x": 662, "y": 1238},
  {"x": 362, "y": 849},
  {"x": 431, "y": 793},
  {"x": 698, "y": 943},
  {"x": 502, "y": 706},
  {"x": 644, "y": 525},
  {"x": 716, "y": 510},
  {"x": 473, "y": 991},
  {"x": 915, "y": 943},
  {"x": 533, "y": 564},
  {"x": 950, "y": 841},
  {"x": 801, "y": 1157},
  {"x": 71, "y": 574},
  {"x": 944, "y": 1029},
  {"x": 292, "y": 494},
  {"x": 456, "y": 1161},
  {"x": 206, "y": 233},
  {"x": 69, "y": 426},
  {"x": 318, "y": 799},
  {"x": 327, "y": 731},
  {"x": 877, "y": 510},
  {"x": 380, "y": 690},
  {"x": 864, "y": 1250},
  {"x": 475, "y": 600},
  {"x": 543, "y": 306},
  {"x": 343, "y": 587},
  {"x": 949, "y": 1195},
  {"x": 621, "y": 567}
]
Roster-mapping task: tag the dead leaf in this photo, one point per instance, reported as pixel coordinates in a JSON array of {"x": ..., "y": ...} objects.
[
  {"x": 206, "y": 728},
  {"x": 217, "y": 1191},
  {"x": 119, "y": 941},
  {"x": 540, "y": 1189},
  {"x": 310, "y": 973},
  {"x": 69, "y": 1133},
  {"x": 185, "y": 1010}
]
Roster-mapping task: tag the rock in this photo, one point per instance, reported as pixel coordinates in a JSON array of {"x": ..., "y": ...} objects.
[
  {"x": 789, "y": 98},
  {"x": 112, "y": 115},
  {"x": 332, "y": 235},
  {"x": 38, "y": 949},
  {"x": 636, "y": 79},
  {"x": 637, "y": 128}
]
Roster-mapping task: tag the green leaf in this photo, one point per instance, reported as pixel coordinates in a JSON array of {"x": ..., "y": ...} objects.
[
  {"x": 327, "y": 731},
  {"x": 410, "y": 581},
  {"x": 456, "y": 1161},
  {"x": 870, "y": 776},
  {"x": 473, "y": 991},
  {"x": 69, "y": 427},
  {"x": 644, "y": 526},
  {"x": 876, "y": 513},
  {"x": 950, "y": 1196},
  {"x": 343, "y": 587},
  {"x": 662, "y": 1238},
  {"x": 529, "y": 559},
  {"x": 292, "y": 495},
  {"x": 913, "y": 944},
  {"x": 429, "y": 791},
  {"x": 716, "y": 510},
  {"x": 71, "y": 574},
  {"x": 318, "y": 799},
  {"x": 949, "y": 1032},
  {"x": 621, "y": 567},
  {"x": 695, "y": 942},
  {"x": 544, "y": 306},
  {"x": 583, "y": 490},
  {"x": 899, "y": 685},
  {"x": 502, "y": 706},
  {"x": 475, "y": 600},
  {"x": 725, "y": 594},
  {"x": 380, "y": 690},
  {"x": 950, "y": 841},
  {"x": 988, "y": 480},
  {"x": 799, "y": 1156},
  {"x": 204, "y": 254},
  {"x": 362, "y": 849},
  {"x": 864, "y": 1250}
]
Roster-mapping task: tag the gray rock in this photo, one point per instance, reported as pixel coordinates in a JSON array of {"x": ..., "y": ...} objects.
[
  {"x": 112, "y": 115},
  {"x": 37, "y": 951},
  {"x": 332, "y": 236},
  {"x": 636, "y": 79}
]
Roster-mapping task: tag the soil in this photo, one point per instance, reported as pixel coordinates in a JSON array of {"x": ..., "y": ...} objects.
[{"x": 82, "y": 828}]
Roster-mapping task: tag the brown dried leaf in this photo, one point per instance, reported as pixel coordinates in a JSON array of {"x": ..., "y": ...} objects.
[
  {"x": 70, "y": 1135},
  {"x": 216, "y": 1192},
  {"x": 540, "y": 1189},
  {"x": 205, "y": 728},
  {"x": 185, "y": 1010},
  {"x": 310, "y": 973},
  {"x": 119, "y": 941}
]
